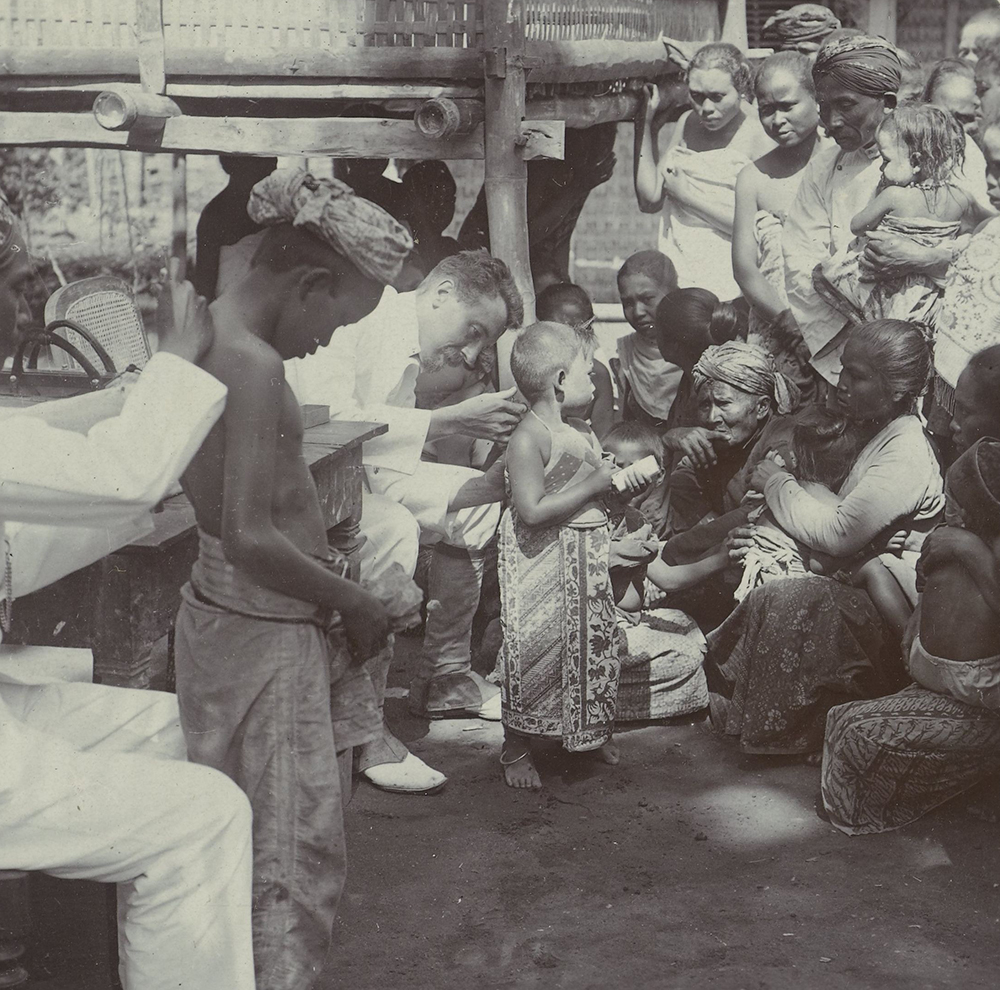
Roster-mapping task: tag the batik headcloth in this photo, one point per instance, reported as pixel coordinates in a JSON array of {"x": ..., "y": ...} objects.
[
  {"x": 356, "y": 228},
  {"x": 11, "y": 240},
  {"x": 869, "y": 66},
  {"x": 748, "y": 368},
  {"x": 805, "y": 24}
]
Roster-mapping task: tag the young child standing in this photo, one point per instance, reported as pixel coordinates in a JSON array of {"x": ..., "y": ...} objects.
[
  {"x": 919, "y": 199},
  {"x": 559, "y": 661},
  {"x": 256, "y": 635}
]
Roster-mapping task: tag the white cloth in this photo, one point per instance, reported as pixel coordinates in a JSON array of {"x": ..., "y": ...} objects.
[
  {"x": 894, "y": 482},
  {"x": 368, "y": 372},
  {"x": 701, "y": 253},
  {"x": 107, "y": 795},
  {"x": 653, "y": 381},
  {"x": 835, "y": 186},
  {"x": 92, "y": 782}
]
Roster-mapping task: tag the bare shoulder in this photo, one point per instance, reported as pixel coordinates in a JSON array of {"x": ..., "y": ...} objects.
[{"x": 240, "y": 359}]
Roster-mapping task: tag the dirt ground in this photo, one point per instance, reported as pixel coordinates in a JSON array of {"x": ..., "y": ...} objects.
[{"x": 688, "y": 866}]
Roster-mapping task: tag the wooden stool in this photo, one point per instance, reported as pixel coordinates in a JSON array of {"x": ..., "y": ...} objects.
[{"x": 14, "y": 926}]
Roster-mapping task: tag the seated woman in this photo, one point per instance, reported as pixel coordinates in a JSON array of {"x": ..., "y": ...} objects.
[
  {"x": 793, "y": 649},
  {"x": 889, "y": 761}
]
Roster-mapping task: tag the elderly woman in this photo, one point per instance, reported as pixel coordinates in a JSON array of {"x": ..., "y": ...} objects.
[
  {"x": 793, "y": 649},
  {"x": 738, "y": 390},
  {"x": 802, "y": 28}
]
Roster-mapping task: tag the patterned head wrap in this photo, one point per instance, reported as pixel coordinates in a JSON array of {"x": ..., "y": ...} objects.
[
  {"x": 11, "y": 240},
  {"x": 359, "y": 230},
  {"x": 869, "y": 66},
  {"x": 750, "y": 369},
  {"x": 973, "y": 483},
  {"x": 803, "y": 26}
]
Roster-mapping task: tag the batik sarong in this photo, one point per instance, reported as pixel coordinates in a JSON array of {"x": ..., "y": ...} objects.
[
  {"x": 889, "y": 761},
  {"x": 559, "y": 661},
  {"x": 663, "y": 673}
]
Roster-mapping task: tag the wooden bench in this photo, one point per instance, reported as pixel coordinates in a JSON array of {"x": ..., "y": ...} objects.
[{"x": 122, "y": 605}]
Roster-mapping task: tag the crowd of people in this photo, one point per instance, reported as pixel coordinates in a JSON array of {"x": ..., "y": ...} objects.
[{"x": 777, "y": 503}]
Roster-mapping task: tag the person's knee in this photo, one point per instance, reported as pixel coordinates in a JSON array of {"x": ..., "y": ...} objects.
[{"x": 223, "y": 808}]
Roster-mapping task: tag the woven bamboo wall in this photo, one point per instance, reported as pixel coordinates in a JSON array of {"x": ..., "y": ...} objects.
[{"x": 338, "y": 23}]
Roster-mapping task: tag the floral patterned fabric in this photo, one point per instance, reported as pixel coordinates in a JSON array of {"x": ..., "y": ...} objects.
[
  {"x": 559, "y": 661},
  {"x": 888, "y": 761},
  {"x": 790, "y": 652}
]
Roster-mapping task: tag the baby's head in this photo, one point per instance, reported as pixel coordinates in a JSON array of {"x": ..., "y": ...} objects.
[
  {"x": 566, "y": 303},
  {"x": 643, "y": 281},
  {"x": 921, "y": 143},
  {"x": 552, "y": 359},
  {"x": 824, "y": 446},
  {"x": 631, "y": 441},
  {"x": 972, "y": 487},
  {"x": 977, "y": 399}
]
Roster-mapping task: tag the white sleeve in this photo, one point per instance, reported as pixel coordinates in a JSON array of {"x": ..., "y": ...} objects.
[
  {"x": 330, "y": 378},
  {"x": 121, "y": 465}
]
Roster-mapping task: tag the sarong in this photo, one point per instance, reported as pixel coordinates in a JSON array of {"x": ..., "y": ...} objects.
[
  {"x": 559, "y": 661},
  {"x": 889, "y": 761},
  {"x": 790, "y": 652},
  {"x": 663, "y": 667},
  {"x": 973, "y": 682},
  {"x": 912, "y": 297}
]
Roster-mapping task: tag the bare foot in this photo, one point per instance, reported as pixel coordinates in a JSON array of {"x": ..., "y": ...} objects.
[
  {"x": 518, "y": 768},
  {"x": 609, "y": 753}
]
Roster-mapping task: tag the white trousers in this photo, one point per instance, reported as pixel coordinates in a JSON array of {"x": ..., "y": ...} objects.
[
  {"x": 104, "y": 792},
  {"x": 426, "y": 494}
]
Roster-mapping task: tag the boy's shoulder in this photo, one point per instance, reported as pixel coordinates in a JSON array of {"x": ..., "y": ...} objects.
[{"x": 238, "y": 356}]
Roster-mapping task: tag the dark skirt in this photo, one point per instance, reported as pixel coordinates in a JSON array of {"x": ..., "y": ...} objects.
[{"x": 790, "y": 652}]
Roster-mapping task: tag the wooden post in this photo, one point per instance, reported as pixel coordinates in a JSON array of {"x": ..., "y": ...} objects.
[
  {"x": 882, "y": 19},
  {"x": 951, "y": 27},
  {"x": 178, "y": 245},
  {"x": 734, "y": 23},
  {"x": 506, "y": 172}
]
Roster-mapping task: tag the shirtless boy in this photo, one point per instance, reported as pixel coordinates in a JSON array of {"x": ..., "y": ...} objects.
[{"x": 252, "y": 651}]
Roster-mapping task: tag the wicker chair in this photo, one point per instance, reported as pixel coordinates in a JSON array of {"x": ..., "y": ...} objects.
[{"x": 106, "y": 308}]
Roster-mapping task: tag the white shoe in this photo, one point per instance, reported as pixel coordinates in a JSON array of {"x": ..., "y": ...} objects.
[
  {"x": 411, "y": 776},
  {"x": 489, "y": 710}
]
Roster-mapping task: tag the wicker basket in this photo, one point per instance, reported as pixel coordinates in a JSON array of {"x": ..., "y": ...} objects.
[{"x": 340, "y": 23}]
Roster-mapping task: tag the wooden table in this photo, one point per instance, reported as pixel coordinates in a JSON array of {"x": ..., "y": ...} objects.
[{"x": 121, "y": 605}]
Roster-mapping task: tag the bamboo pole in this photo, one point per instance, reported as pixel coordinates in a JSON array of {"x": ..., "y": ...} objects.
[
  {"x": 506, "y": 179},
  {"x": 178, "y": 244}
]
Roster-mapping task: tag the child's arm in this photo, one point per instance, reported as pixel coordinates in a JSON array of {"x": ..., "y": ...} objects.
[
  {"x": 250, "y": 540},
  {"x": 677, "y": 577},
  {"x": 487, "y": 488},
  {"x": 872, "y": 215},
  {"x": 526, "y": 470},
  {"x": 757, "y": 290}
]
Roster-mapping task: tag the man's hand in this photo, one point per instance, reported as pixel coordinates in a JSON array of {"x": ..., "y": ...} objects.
[
  {"x": 888, "y": 256},
  {"x": 183, "y": 324},
  {"x": 490, "y": 416},
  {"x": 695, "y": 443},
  {"x": 366, "y": 626}
]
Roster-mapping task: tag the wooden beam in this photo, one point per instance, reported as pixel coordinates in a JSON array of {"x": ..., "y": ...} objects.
[
  {"x": 586, "y": 61},
  {"x": 410, "y": 64},
  {"x": 882, "y": 19},
  {"x": 734, "y": 24},
  {"x": 339, "y": 137},
  {"x": 118, "y": 110},
  {"x": 150, "y": 45},
  {"x": 443, "y": 118},
  {"x": 506, "y": 181},
  {"x": 583, "y": 111}
]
